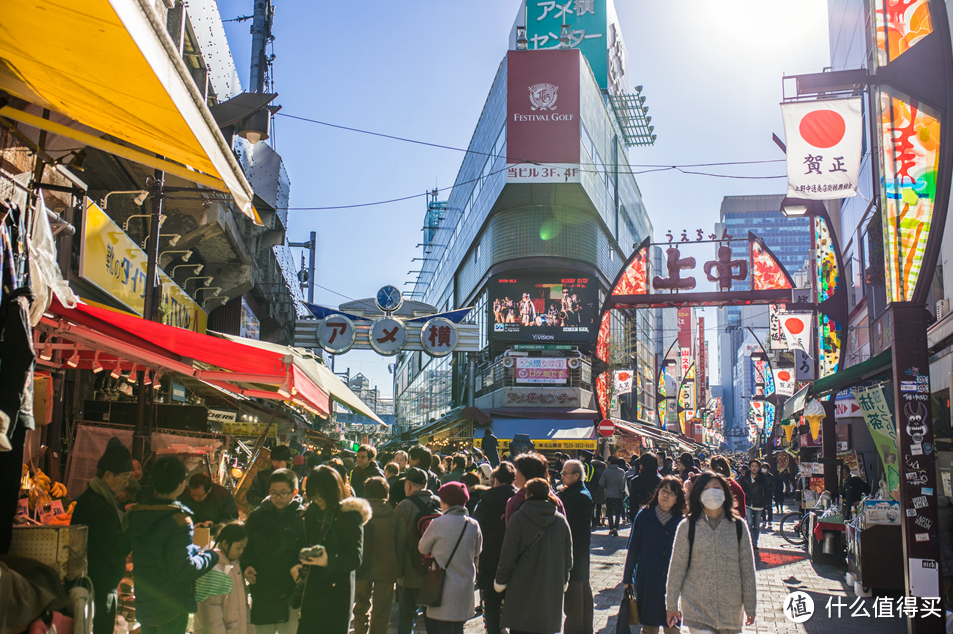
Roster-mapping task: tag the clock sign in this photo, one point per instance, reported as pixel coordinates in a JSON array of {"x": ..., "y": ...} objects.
[{"x": 389, "y": 299}]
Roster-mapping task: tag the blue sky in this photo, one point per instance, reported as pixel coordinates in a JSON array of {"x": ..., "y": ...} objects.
[{"x": 711, "y": 70}]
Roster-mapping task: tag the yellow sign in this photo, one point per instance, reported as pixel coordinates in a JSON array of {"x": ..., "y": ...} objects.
[
  {"x": 249, "y": 429},
  {"x": 116, "y": 265},
  {"x": 553, "y": 444}
]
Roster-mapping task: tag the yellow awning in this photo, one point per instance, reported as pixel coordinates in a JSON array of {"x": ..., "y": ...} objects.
[{"x": 112, "y": 66}]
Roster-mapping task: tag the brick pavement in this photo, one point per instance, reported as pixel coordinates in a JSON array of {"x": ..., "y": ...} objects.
[{"x": 782, "y": 568}]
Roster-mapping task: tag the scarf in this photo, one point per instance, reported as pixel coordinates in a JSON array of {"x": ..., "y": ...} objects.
[
  {"x": 663, "y": 516},
  {"x": 99, "y": 488}
]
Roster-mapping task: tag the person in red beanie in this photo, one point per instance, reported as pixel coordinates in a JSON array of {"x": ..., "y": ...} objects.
[{"x": 454, "y": 541}]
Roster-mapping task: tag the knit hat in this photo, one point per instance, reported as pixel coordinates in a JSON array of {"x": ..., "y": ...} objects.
[
  {"x": 298, "y": 460},
  {"x": 415, "y": 475},
  {"x": 281, "y": 452},
  {"x": 454, "y": 494},
  {"x": 116, "y": 459},
  {"x": 487, "y": 470}
]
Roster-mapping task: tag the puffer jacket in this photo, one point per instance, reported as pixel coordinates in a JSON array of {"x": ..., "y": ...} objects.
[
  {"x": 165, "y": 559},
  {"x": 225, "y": 613},
  {"x": 489, "y": 514},
  {"x": 274, "y": 540},
  {"x": 360, "y": 475}
]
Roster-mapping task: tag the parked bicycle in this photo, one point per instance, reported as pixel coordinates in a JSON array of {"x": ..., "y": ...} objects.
[{"x": 795, "y": 527}]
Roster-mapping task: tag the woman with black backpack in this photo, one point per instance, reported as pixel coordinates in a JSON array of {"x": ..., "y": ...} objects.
[{"x": 712, "y": 569}]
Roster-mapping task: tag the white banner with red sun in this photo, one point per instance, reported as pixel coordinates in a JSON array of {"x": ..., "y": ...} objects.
[{"x": 823, "y": 147}]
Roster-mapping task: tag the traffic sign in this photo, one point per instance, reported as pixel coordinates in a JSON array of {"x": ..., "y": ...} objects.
[{"x": 606, "y": 428}]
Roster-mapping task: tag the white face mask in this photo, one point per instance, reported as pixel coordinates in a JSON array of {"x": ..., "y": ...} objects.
[{"x": 713, "y": 498}]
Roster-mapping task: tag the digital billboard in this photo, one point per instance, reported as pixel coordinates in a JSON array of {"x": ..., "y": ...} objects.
[{"x": 542, "y": 308}]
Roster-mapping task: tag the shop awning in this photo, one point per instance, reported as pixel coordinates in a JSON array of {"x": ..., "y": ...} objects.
[
  {"x": 855, "y": 374},
  {"x": 111, "y": 65},
  {"x": 545, "y": 433},
  {"x": 235, "y": 367},
  {"x": 317, "y": 372}
]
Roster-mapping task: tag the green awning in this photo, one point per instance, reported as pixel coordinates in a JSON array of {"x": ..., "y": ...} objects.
[{"x": 854, "y": 374}]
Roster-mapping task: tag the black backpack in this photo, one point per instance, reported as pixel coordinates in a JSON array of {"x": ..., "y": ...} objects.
[
  {"x": 427, "y": 511},
  {"x": 691, "y": 538}
]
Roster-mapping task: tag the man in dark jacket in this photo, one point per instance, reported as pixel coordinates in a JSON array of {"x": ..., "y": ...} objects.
[
  {"x": 768, "y": 516},
  {"x": 418, "y": 502},
  {"x": 459, "y": 468},
  {"x": 106, "y": 544},
  {"x": 275, "y": 537},
  {"x": 577, "y": 501},
  {"x": 280, "y": 456},
  {"x": 165, "y": 559},
  {"x": 642, "y": 486},
  {"x": 490, "y": 514},
  {"x": 367, "y": 467},
  {"x": 418, "y": 456},
  {"x": 755, "y": 488},
  {"x": 210, "y": 503},
  {"x": 491, "y": 447},
  {"x": 613, "y": 486}
]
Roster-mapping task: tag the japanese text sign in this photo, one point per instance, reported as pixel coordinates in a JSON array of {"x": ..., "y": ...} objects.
[
  {"x": 778, "y": 340},
  {"x": 439, "y": 337},
  {"x": 387, "y": 336},
  {"x": 336, "y": 333},
  {"x": 115, "y": 264},
  {"x": 873, "y": 405},
  {"x": 541, "y": 370},
  {"x": 823, "y": 147},
  {"x": 623, "y": 382}
]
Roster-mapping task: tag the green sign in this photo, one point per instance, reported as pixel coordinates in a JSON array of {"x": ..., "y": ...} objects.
[
  {"x": 594, "y": 30},
  {"x": 542, "y": 346},
  {"x": 873, "y": 405}
]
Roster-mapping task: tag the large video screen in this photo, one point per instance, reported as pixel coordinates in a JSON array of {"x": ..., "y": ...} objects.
[{"x": 542, "y": 309}]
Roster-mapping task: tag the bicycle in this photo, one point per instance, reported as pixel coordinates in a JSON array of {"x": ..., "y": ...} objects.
[{"x": 794, "y": 527}]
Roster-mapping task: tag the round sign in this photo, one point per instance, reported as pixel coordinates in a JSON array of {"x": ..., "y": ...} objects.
[
  {"x": 387, "y": 336},
  {"x": 439, "y": 337},
  {"x": 336, "y": 334},
  {"x": 389, "y": 299},
  {"x": 606, "y": 428}
]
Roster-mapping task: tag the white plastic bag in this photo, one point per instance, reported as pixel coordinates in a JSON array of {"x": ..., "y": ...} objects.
[{"x": 45, "y": 277}]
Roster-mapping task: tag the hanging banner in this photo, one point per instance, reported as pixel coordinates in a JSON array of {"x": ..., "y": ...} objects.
[
  {"x": 784, "y": 381},
  {"x": 823, "y": 147},
  {"x": 776, "y": 337},
  {"x": 623, "y": 382},
  {"x": 803, "y": 366},
  {"x": 686, "y": 360},
  {"x": 873, "y": 405},
  {"x": 797, "y": 331}
]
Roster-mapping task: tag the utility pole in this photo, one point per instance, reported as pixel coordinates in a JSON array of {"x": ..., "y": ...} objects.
[
  {"x": 262, "y": 23},
  {"x": 149, "y": 309},
  {"x": 312, "y": 246}
]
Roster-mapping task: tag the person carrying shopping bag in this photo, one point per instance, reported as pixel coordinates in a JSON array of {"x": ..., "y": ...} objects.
[
  {"x": 650, "y": 549},
  {"x": 711, "y": 577}
]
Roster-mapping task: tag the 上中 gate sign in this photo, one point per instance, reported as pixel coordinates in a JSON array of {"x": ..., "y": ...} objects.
[{"x": 823, "y": 147}]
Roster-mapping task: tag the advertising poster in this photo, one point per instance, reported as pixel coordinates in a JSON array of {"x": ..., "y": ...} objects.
[
  {"x": 873, "y": 405},
  {"x": 536, "y": 370},
  {"x": 543, "y": 309}
]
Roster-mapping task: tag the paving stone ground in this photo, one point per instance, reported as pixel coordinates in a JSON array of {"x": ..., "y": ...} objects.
[{"x": 782, "y": 568}]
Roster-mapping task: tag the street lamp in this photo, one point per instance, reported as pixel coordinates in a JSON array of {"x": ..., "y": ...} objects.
[
  {"x": 795, "y": 207},
  {"x": 198, "y": 269},
  {"x": 185, "y": 258}
]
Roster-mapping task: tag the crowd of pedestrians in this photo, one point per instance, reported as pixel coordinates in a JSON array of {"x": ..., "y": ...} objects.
[{"x": 336, "y": 545}]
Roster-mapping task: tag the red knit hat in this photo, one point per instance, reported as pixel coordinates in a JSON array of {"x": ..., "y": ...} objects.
[{"x": 454, "y": 494}]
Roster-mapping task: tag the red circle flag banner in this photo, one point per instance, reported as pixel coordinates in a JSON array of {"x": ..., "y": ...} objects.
[{"x": 823, "y": 147}]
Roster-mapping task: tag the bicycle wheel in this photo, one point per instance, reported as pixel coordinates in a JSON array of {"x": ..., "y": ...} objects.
[{"x": 791, "y": 529}]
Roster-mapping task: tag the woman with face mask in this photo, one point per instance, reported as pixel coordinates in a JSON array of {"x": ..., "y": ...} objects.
[{"x": 711, "y": 585}]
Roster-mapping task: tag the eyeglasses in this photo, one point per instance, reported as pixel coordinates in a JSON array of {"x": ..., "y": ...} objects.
[
  {"x": 281, "y": 494},
  {"x": 666, "y": 492}
]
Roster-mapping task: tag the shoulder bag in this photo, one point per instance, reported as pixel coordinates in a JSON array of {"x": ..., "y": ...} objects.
[{"x": 431, "y": 591}]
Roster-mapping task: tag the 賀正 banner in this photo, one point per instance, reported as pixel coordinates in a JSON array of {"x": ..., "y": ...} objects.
[{"x": 823, "y": 147}]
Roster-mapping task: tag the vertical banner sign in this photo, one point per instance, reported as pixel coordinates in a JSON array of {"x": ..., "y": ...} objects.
[
  {"x": 778, "y": 341},
  {"x": 542, "y": 123},
  {"x": 686, "y": 360},
  {"x": 873, "y": 405},
  {"x": 684, "y": 318},
  {"x": 701, "y": 380},
  {"x": 784, "y": 381},
  {"x": 803, "y": 366},
  {"x": 623, "y": 382},
  {"x": 823, "y": 147},
  {"x": 797, "y": 331}
]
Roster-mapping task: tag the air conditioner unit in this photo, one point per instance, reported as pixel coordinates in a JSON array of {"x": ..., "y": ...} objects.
[{"x": 942, "y": 309}]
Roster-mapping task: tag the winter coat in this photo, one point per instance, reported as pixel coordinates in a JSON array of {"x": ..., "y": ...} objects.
[
  {"x": 642, "y": 487},
  {"x": 218, "y": 506},
  {"x": 274, "y": 540},
  {"x": 719, "y": 588},
  {"x": 577, "y": 501},
  {"x": 739, "y": 495},
  {"x": 359, "y": 475},
  {"x": 407, "y": 512},
  {"x": 646, "y": 565},
  {"x": 439, "y": 539},
  {"x": 455, "y": 475},
  {"x": 613, "y": 481},
  {"x": 515, "y": 502},
  {"x": 329, "y": 594},
  {"x": 535, "y": 584},
  {"x": 258, "y": 490},
  {"x": 106, "y": 544},
  {"x": 491, "y": 449},
  {"x": 385, "y": 539},
  {"x": 944, "y": 527},
  {"x": 165, "y": 559},
  {"x": 225, "y": 613},
  {"x": 755, "y": 490},
  {"x": 490, "y": 514}
]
